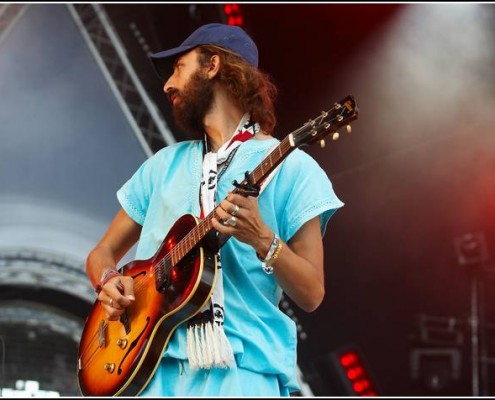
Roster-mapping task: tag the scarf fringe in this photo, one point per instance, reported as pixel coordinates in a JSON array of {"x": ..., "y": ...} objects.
[{"x": 208, "y": 347}]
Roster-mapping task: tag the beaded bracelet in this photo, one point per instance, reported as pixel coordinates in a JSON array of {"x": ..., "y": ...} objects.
[
  {"x": 272, "y": 255},
  {"x": 272, "y": 260},
  {"x": 107, "y": 275}
]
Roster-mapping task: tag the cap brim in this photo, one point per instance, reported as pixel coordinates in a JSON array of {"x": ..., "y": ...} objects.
[{"x": 163, "y": 61}]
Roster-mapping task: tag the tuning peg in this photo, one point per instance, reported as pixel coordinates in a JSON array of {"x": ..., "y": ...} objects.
[
  {"x": 322, "y": 143},
  {"x": 335, "y": 136},
  {"x": 348, "y": 128}
]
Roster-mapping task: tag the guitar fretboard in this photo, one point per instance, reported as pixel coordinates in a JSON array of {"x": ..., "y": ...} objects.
[{"x": 257, "y": 176}]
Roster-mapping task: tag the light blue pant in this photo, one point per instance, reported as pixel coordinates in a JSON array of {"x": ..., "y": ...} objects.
[{"x": 174, "y": 378}]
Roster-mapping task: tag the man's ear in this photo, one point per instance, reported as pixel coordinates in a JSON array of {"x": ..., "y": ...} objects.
[{"x": 213, "y": 66}]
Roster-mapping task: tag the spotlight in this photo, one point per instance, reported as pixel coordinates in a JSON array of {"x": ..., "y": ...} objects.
[{"x": 471, "y": 249}]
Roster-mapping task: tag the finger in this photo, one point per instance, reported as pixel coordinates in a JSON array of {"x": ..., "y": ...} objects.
[
  {"x": 230, "y": 207},
  {"x": 116, "y": 289},
  {"x": 128, "y": 284},
  {"x": 113, "y": 313},
  {"x": 238, "y": 199},
  {"x": 221, "y": 227},
  {"x": 110, "y": 304},
  {"x": 227, "y": 206},
  {"x": 222, "y": 214}
]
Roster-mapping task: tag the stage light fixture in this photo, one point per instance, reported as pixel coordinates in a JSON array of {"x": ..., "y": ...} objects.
[
  {"x": 352, "y": 367},
  {"x": 233, "y": 14},
  {"x": 471, "y": 249},
  {"x": 343, "y": 372}
]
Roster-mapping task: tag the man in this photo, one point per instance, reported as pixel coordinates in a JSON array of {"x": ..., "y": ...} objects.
[{"x": 240, "y": 344}]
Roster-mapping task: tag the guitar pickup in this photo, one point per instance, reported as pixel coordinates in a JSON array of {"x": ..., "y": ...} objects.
[{"x": 162, "y": 277}]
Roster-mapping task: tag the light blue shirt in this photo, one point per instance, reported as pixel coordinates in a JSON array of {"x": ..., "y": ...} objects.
[{"x": 167, "y": 186}]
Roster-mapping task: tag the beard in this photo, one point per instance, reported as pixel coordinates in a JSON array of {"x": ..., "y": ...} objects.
[{"x": 192, "y": 104}]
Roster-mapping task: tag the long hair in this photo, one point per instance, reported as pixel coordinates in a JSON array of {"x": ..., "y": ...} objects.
[{"x": 250, "y": 88}]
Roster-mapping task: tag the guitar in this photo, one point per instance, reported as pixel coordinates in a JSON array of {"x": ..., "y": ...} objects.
[{"x": 118, "y": 358}]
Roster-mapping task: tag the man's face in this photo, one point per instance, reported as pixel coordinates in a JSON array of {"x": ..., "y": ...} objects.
[{"x": 190, "y": 92}]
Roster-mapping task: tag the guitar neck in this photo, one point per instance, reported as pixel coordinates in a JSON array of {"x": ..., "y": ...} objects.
[
  {"x": 256, "y": 177},
  {"x": 342, "y": 113}
]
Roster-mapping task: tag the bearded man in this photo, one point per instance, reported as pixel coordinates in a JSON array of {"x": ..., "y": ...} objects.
[{"x": 269, "y": 236}]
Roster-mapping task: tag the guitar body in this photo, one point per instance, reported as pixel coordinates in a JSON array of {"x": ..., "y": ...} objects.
[{"x": 118, "y": 358}]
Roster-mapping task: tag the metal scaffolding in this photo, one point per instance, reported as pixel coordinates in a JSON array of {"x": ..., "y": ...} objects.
[{"x": 141, "y": 112}]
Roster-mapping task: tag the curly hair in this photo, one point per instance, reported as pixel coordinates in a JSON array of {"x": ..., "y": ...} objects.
[{"x": 250, "y": 88}]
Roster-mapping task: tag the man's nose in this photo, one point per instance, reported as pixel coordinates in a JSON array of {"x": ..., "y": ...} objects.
[{"x": 168, "y": 84}]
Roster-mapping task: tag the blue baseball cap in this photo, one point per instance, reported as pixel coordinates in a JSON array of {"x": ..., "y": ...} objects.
[{"x": 229, "y": 37}]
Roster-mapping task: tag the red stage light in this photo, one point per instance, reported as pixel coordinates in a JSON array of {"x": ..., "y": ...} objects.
[
  {"x": 354, "y": 372},
  {"x": 348, "y": 359},
  {"x": 233, "y": 14}
]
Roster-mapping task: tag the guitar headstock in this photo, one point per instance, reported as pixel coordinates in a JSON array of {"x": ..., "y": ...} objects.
[{"x": 342, "y": 113}]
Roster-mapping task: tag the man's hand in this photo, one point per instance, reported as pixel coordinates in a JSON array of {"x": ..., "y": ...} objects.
[
  {"x": 240, "y": 217},
  {"x": 116, "y": 295}
]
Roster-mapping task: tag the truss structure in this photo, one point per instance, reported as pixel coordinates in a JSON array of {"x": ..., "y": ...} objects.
[{"x": 141, "y": 112}]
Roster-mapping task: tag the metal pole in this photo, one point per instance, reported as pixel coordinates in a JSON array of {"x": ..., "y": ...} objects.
[
  {"x": 474, "y": 322},
  {"x": 483, "y": 352}
]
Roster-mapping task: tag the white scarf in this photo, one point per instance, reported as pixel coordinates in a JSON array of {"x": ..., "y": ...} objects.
[{"x": 207, "y": 344}]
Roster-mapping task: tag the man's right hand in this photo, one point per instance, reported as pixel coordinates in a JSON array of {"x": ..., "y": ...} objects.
[{"x": 116, "y": 295}]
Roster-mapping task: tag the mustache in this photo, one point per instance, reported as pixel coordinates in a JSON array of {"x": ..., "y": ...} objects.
[{"x": 171, "y": 94}]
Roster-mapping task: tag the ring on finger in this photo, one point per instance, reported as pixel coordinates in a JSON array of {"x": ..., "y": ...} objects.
[
  {"x": 235, "y": 211},
  {"x": 231, "y": 221},
  {"x": 111, "y": 303}
]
